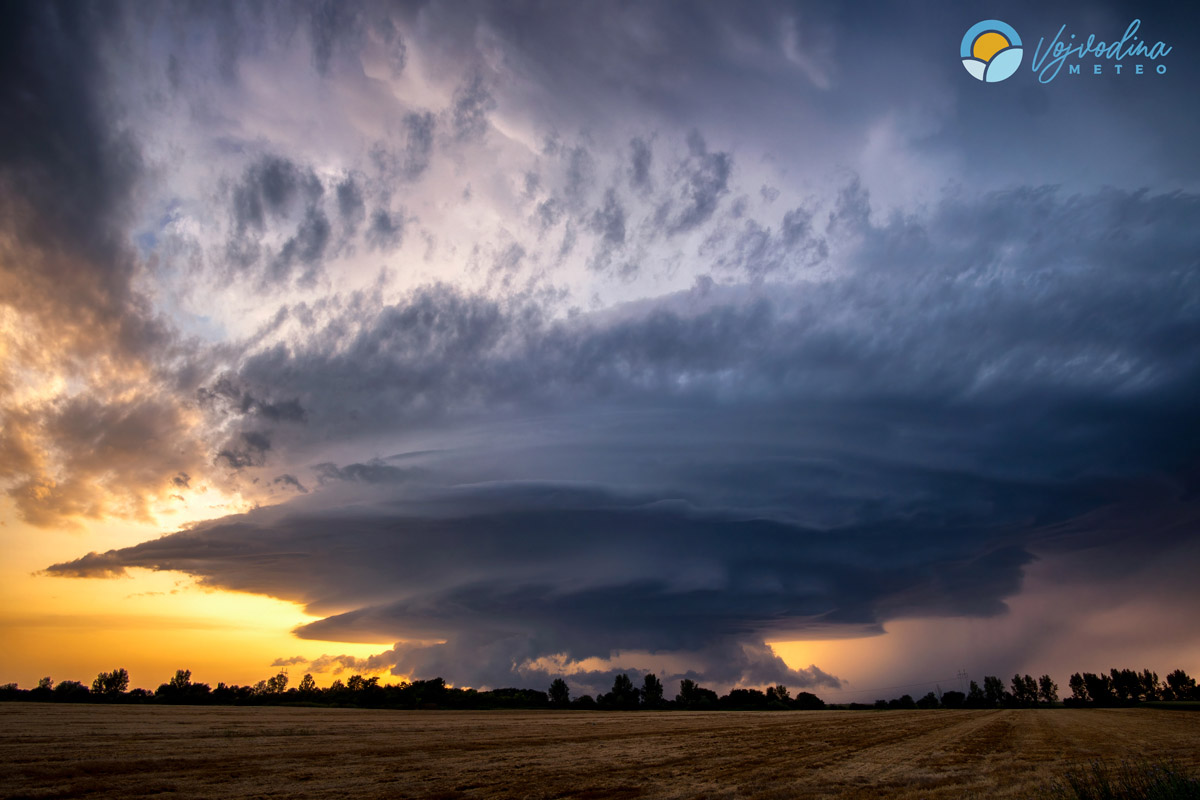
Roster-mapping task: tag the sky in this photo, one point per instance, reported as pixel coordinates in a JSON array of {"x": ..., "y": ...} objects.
[{"x": 753, "y": 343}]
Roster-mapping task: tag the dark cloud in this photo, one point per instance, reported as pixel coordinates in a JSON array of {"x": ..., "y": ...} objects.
[
  {"x": 556, "y": 570},
  {"x": 272, "y": 195},
  {"x": 329, "y": 21},
  {"x": 373, "y": 472},
  {"x": 292, "y": 481},
  {"x": 609, "y": 220},
  {"x": 350, "y": 203},
  {"x": 472, "y": 104},
  {"x": 307, "y": 247},
  {"x": 234, "y": 398},
  {"x": 580, "y": 174},
  {"x": 703, "y": 178},
  {"x": 639, "y": 163},
  {"x": 397, "y": 50},
  {"x": 419, "y": 146},
  {"x": 271, "y": 187},
  {"x": 386, "y": 230},
  {"x": 289, "y": 662},
  {"x": 246, "y": 450}
]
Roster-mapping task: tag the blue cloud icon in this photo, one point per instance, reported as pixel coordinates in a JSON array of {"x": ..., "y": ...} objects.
[{"x": 991, "y": 50}]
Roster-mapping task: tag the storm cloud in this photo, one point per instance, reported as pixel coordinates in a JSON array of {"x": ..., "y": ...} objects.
[{"x": 567, "y": 340}]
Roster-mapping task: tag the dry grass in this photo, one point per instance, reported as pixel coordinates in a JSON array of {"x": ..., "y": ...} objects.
[{"x": 134, "y": 751}]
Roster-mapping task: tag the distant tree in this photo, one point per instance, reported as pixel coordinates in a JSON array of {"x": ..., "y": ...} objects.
[
  {"x": 953, "y": 699},
  {"x": 975, "y": 696},
  {"x": 181, "y": 681},
  {"x": 652, "y": 691},
  {"x": 744, "y": 699},
  {"x": 1047, "y": 690},
  {"x": 1099, "y": 689},
  {"x": 46, "y": 684},
  {"x": 111, "y": 684},
  {"x": 623, "y": 694},
  {"x": 586, "y": 702},
  {"x": 1079, "y": 692},
  {"x": 779, "y": 695},
  {"x": 904, "y": 702},
  {"x": 1150, "y": 685},
  {"x": 1030, "y": 690},
  {"x": 695, "y": 697},
  {"x": 277, "y": 683},
  {"x": 71, "y": 691},
  {"x": 930, "y": 700},
  {"x": 993, "y": 691},
  {"x": 1182, "y": 686},
  {"x": 807, "y": 701},
  {"x": 560, "y": 693},
  {"x": 1024, "y": 691},
  {"x": 1126, "y": 684},
  {"x": 308, "y": 684}
]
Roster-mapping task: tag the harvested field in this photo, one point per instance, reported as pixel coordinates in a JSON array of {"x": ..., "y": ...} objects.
[{"x": 132, "y": 751}]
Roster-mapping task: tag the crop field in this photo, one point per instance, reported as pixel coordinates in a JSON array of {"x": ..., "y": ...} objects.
[{"x": 58, "y": 750}]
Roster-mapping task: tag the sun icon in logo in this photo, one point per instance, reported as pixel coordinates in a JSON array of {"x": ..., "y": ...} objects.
[{"x": 991, "y": 50}]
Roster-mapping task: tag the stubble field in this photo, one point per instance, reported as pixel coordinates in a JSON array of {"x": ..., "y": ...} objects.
[{"x": 135, "y": 751}]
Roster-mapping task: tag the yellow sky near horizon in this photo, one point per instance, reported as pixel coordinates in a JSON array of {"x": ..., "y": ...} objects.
[{"x": 151, "y": 623}]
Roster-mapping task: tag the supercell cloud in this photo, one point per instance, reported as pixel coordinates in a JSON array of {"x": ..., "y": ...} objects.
[{"x": 594, "y": 337}]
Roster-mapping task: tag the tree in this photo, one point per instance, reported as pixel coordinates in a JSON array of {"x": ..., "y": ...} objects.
[
  {"x": 277, "y": 683},
  {"x": 1024, "y": 690},
  {"x": 746, "y": 699},
  {"x": 1150, "y": 690},
  {"x": 71, "y": 691},
  {"x": 953, "y": 699},
  {"x": 1079, "y": 692},
  {"x": 1182, "y": 686},
  {"x": 181, "y": 681},
  {"x": 1030, "y": 690},
  {"x": 1126, "y": 684},
  {"x": 652, "y": 691},
  {"x": 779, "y": 694},
  {"x": 807, "y": 701},
  {"x": 623, "y": 694},
  {"x": 560, "y": 693},
  {"x": 1099, "y": 689},
  {"x": 307, "y": 684},
  {"x": 1047, "y": 690},
  {"x": 46, "y": 684},
  {"x": 693, "y": 696},
  {"x": 975, "y": 697},
  {"x": 928, "y": 701},
  {"x": 111, "y": 684},
  {"x": 993, "y": 691}
]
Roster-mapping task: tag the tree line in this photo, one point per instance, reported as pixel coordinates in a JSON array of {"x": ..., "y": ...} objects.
[{"x": 1117, "y": 687}]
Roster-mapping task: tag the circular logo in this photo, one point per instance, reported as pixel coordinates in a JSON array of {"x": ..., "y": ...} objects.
[{"x": 991, "y": 51}]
